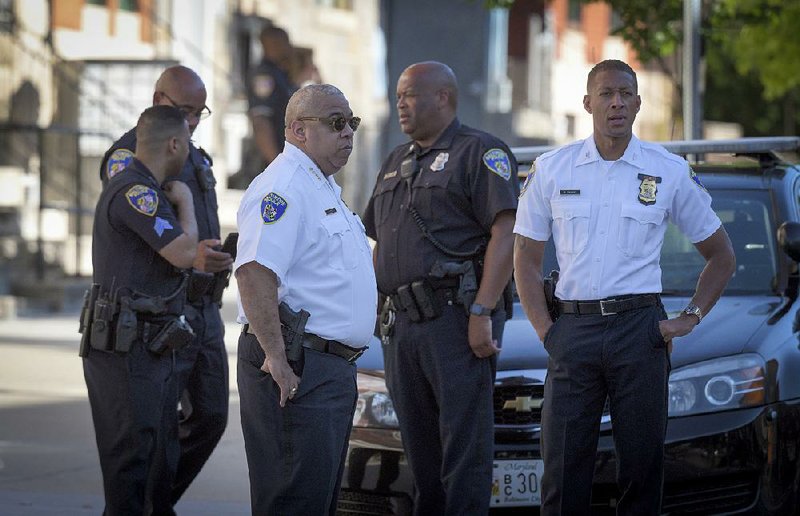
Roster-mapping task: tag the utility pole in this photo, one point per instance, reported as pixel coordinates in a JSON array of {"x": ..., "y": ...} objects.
[{"x": 692, "y": 101}]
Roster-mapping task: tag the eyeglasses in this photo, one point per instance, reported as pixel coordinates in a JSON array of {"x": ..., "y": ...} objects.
[
  {"x": 188, "y": 111},
  {"x": 336, "y": 122}
]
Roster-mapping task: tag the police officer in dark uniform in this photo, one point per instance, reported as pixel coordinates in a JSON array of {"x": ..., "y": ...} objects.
[
  {"x": 133, "y": 317},
  {"x": 268, "y": 91},
  {"x": 202, "y": 369},
  {"x": 442, "y": 214}
]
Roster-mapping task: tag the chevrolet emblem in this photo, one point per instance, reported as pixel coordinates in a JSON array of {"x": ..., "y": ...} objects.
[{"x": 523, "y": 404}]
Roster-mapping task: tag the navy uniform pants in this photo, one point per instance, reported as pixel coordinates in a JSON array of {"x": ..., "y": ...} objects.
[
  {"x": 132, "y": 396},
  {"x": 442, "y": 394},
  {"x": 202, "y": 373},
  {"x": 622, "y": 357},
  {"x": 296, "y": 453}
]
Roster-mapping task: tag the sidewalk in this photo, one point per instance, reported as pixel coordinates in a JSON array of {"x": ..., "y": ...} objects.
[{"x": 48, "y": 458}]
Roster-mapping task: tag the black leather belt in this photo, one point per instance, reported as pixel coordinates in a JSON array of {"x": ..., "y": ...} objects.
[
  {"x": 609, "y": 306},
  {"x": 317, "y": 343}
]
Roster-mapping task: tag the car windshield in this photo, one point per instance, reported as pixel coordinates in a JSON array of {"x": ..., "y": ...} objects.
[{"x": 747, "y": 219}]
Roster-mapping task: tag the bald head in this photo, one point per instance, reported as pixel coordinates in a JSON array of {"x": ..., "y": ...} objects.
[
  {"x": 180, "y": 78},
  {"x": 182, "y": 88},
  {"x": 434, "y": 75},
  {"x": 309, "y": 101}
]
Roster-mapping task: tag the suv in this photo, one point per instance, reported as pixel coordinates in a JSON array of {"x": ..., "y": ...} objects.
[{"x": 733, "y": 436}]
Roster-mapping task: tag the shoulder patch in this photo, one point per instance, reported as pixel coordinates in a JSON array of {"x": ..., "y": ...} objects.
[
  {"x": 696, "y": 179},
  {"x": 143, "y": 199},
  {"x": 497, "y": 161},
  {"x": 117, "y": 162},
  {"x": 528, "y": 179},
  {"x": 263, "y": 85},
  {"x": 273, "y": 206}
]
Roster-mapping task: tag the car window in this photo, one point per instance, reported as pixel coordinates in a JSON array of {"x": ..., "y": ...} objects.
[{"x": 747, "y": 219}]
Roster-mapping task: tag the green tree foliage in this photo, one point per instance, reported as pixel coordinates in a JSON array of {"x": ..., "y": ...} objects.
[{"x": 752, "y": 51}]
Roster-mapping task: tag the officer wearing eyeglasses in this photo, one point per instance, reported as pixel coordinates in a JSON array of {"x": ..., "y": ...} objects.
[
  {"x": 442, "y": 213},
  {"x": 302, "y": 251},
  {"x": 201, "y": 368}
]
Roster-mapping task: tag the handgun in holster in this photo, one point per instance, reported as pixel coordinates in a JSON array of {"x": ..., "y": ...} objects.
[
  {"x": 549, "y": 285},
  {"x": 87, "y": 313},
  {"x": 293, "y": 327},
  {"x": 175, "y": 334}
]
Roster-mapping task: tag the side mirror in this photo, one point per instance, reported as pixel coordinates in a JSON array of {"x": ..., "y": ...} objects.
[{"x": 789, "y": 239}]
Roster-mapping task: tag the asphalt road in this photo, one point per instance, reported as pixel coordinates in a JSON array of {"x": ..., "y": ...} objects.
[{"x": 48, "y": 458}]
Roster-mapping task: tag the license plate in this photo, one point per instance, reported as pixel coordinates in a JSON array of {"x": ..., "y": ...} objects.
[{"x": 517, "y": 483}]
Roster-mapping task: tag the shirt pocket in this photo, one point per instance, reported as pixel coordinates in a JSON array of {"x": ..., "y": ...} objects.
[
  {"x": 341, "y": 243},
  {"x": 385, "y": 198},
  {"x": 638, "y": 229},
  {"x": 430, "y": 191},
  {"x": 571, "y": 225}
]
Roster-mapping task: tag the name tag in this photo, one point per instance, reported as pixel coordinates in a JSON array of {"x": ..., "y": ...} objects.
[
  {"x": 330, "y": 211},
  {"x": 570, "y": 192}
]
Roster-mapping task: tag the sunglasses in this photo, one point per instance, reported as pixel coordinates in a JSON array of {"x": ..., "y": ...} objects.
[
  {"x": 337, "y": 122},
  {"x": 188, "y": 111}
]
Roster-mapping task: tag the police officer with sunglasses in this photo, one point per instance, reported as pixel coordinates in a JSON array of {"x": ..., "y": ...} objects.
[{"x": 307, "y": 304}]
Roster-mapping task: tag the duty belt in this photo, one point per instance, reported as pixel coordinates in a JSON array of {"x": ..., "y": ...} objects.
[
  {"x": 317, "y": 343},
  {"x": 610, "y": 306}
]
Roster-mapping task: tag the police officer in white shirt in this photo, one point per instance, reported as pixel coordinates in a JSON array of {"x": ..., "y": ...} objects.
[
  {"x": 606, "y": 201},
  {"x": 299, "y": 244}
]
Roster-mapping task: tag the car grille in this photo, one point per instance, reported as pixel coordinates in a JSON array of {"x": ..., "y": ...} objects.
[
  {"x": 377, "y": 504},
  {"x": 518, "y": 404},
  {"x": 730, "y": 493}
]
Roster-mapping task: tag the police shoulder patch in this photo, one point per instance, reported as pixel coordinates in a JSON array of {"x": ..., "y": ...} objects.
[
  {"x": 528, "y": 179},
  {"x": 117, "y": 162},
  {"x": 263, "y": 85},
  {"x": 496, "y": 160},
  {"x": 696, "y": 179},
  {"x": 143, "y": 199},
  {"x": 273, "y": 206}
]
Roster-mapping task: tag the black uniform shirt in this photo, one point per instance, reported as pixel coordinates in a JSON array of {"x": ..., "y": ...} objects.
[
  {"x": 268, "y": 92},
  {"x": 196, "y": 173},
  {"x": 132, "y": 222},
  {"x": 462, "y": 182}
]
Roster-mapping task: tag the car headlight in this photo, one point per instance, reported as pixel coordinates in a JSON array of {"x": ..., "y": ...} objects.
[
  {"x": 375, "y": 408},
  {"x": 720, "y": 384}
]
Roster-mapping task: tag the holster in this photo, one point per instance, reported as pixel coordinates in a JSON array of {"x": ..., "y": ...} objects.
[
  {"x": 105, "y": 309},
  {"x": 87, "y": 313},
  {"x": 293, "y": 328},
  {"x": 549, "y": 285},
  {"x": 200, "y": 283},
  {"x": 174, "y": 335}
]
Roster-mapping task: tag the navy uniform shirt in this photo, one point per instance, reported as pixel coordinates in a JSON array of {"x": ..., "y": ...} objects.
[
  {"x": 268, "y": 93},
  {"x": 196, "y": 173},
  {"x": 132, "y": 222},
  {"x": 462, "y": 182}
]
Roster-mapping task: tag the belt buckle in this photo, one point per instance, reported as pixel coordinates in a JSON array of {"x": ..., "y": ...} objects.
[
  {"x": 357, "y": 354},
  {"x": 603, "y": 310}
]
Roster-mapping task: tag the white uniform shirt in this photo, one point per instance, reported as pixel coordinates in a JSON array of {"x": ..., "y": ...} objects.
[
  {"x": 293, "y": 221},
  {"x": 608, "y": 223}
]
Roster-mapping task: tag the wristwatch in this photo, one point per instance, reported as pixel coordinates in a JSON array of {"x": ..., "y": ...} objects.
[
  {"x": 477, "y": 309},
  {"x": 694, "y": 310}
]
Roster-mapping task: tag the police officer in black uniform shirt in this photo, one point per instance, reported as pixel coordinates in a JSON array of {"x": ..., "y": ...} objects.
[
  {"x": 442, "y": 214},
  {"x": 203, "y": 367},
  {"x": 141, "y": 247},
  {"x": 268, "y": 91}
]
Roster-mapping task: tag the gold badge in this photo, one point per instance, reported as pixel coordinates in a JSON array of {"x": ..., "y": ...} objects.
[{"x": 648, "y": 189}]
